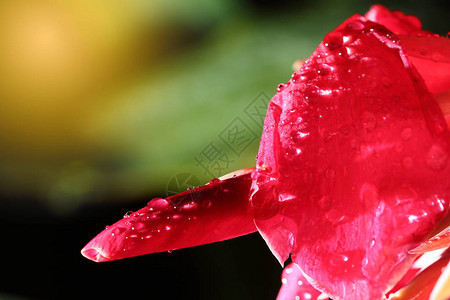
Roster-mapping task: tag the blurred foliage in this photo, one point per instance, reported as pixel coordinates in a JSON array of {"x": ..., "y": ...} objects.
[{"x": 106, "y": 100}]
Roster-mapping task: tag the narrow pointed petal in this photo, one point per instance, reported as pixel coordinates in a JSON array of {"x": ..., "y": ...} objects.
[
  {"x": 214, "y": 212},
  {"x": 352, "y": 170},
  {"x": 295, "y": 286},
  {"x": 431, "y": 283},
  {"x": 439, "y": 241}
]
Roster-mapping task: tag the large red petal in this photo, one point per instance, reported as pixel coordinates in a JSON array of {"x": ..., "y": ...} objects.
[
  {"x": 207, "y": 214},
  {"x": 352, "y": 169}
]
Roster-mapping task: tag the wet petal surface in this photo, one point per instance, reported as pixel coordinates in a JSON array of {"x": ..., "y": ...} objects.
[
  {"x": 353, "y": 164},
  {"x": 207, "y": 214}
]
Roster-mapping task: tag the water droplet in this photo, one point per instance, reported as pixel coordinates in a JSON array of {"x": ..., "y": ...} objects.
[
  {"x": 205, "y": 203},
  {"x": 323, "y": 70},
  {"x": 369, "y": 195},
  {"x": 157, "y": 204},
  {"x": 190, "y": 205},
  {"x": 139, "y": 226},
  {"x": 128, "y": 214},
  {"x": 298, "y": 136},
  {"x": 408, "y": 162},
  {"x": 344, "y": 129},
  {"x": 330, "y": 173},
  {"x": 355, "y": 26},
  {"x": 406, "y": 133},
  {"x": 354, "y": 144},
  {"x": 296, "y": 78},
  {"x": 369, "y": 121},
  {"x": 333, "y": 40},
  {"x": 398, "y": 147},
  {"x": 311, "y": 94},
  {"x": 282, "y": 86},
  {"x": 437, "y": 157},
  {"x": 170, "y": 251},
  {"x": 325, "y": 203},
  {"x": 264, "y": 201},
  {"x": 214, "y": 181},
  {"x": 118, "y": 230},
  {"x": 386, "y": 82},
  {"x": 292, "y": 152},
  {"x": 339, "y": 260}
]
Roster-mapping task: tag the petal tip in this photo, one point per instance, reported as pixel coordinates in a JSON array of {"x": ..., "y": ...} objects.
[{"x": 93, "y": 254}]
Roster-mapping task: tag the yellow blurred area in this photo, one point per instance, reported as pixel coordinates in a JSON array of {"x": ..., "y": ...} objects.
[{"x": 59, "y": 61}]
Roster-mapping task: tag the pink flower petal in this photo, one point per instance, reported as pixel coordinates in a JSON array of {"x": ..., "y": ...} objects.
[
  {"x": 294, "y": 286},
  {"x": 211, "y": 213},
  {"x": 353, "y": 164}
]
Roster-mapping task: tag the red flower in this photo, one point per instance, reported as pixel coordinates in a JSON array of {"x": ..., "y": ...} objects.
[{"x": 351, "y": 173}]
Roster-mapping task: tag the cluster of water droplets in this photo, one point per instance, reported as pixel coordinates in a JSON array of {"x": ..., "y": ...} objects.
[{"x": 158, "y": 218}]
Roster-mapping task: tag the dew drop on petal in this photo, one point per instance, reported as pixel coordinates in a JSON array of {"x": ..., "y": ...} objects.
[
  {"x": 437, "y": 157},
  {"x": 214, "y": 180},
  {"x": 190, "y": 206},
  {"x": 406, "y": 133},
  {"x": 355, "y": 26},
  {"x": 157, "y": 204},
  {"x": 408, "y": 162},
  {"x": 323, "y": 70},
  {"x": 296, "y": 78},
  {"x": 369, "y": 121},
  {"x": 333, "y": 40},
  {"x": 128, "y": 214},
  {"x": 282, "y": 86},
  {"x": 325, "y": 203},
  {"x": 311, "y": 94}
]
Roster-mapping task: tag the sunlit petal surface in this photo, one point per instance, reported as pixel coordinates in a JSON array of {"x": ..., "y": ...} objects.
[
  {"x": 207, "y": 214},
  {"x": 352, "y": 170},
  {"x": 431, "y": 283},
  {"x": 439, "y": 241}
]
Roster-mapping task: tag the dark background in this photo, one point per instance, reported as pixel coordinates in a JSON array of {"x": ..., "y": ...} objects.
[{"x": 44, "y": 226}]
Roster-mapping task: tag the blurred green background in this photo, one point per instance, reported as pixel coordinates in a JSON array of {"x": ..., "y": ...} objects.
[
  {"x": 106, "y": 103},
  {"x": 108, "y": 100}
]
